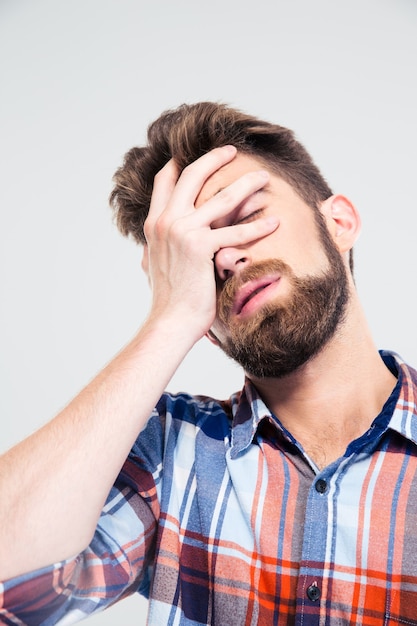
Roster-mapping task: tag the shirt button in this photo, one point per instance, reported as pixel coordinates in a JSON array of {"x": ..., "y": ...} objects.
[
  {"x": 321, "y": 485},
  {"x": 313, "y": 592}
]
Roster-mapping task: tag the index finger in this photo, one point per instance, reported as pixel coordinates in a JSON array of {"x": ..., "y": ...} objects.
[{"x": 176, "y": 192}]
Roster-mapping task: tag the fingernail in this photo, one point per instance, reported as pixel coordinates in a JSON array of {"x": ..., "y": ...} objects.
[
  {"x": 264, "y": 174},
  {"x": 271, "y": 221}
]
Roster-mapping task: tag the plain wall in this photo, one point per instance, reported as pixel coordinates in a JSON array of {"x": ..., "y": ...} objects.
[{"x": 81, "y": 80}]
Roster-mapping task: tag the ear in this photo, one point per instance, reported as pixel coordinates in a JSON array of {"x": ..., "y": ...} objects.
[
  {"x": 212, "y": 337},
  {"x": 343, "y": 221}
]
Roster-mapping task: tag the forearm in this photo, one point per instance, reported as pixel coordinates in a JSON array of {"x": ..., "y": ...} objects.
[{"x": 53, "y": 485}]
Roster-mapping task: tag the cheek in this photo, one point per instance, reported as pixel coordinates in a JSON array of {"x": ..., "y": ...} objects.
[{"x": 297, "y": 244}]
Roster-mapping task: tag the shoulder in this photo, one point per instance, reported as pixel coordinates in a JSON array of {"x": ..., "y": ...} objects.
[
  {"x": 184, "y": 415},
  {"x": 190, "y": 408}
]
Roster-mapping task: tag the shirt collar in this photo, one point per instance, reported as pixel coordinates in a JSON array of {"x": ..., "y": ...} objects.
[
  {"x": 248, "y": 408},
  {"x": 404, "y": 416}
]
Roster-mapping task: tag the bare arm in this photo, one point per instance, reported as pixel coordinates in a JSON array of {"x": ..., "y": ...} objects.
[{"x": 53, "y": 485}]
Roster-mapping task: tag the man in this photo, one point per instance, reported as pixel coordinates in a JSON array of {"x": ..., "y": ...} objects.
[{"x": 291, "y": 503}]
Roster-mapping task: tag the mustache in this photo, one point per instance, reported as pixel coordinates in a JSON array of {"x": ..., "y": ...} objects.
[{"x": 233, "y": 284}]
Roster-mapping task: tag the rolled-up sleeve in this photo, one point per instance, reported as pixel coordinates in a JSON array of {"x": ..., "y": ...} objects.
[{"x": 118, "y": 561}]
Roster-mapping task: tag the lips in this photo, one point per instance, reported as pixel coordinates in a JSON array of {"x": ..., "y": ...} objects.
[{"x": 250, "y": 290}]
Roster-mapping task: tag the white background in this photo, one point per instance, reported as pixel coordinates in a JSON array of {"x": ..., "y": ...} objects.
[{"x": 80, "y": 81}]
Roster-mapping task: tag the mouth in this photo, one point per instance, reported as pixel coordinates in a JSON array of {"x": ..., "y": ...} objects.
[{"x": 253, "y": 294}]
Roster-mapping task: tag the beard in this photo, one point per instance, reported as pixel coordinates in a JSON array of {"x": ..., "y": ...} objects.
[{"x": 284, "y": 334}]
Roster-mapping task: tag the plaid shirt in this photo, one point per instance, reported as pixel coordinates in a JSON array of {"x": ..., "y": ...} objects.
[{"x": 220, "y": 518}]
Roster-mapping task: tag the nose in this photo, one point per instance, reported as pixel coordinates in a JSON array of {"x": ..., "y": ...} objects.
[{"x": 230, "y": 261}]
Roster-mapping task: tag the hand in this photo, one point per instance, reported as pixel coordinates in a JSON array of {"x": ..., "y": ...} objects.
[{"x": 181, "y": 243}]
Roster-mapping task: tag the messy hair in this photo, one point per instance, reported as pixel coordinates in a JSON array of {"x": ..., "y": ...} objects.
[{"x": 191, "y": 130}]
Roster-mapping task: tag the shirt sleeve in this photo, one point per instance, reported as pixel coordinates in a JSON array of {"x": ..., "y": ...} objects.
[{"x": 117, "y": 562}]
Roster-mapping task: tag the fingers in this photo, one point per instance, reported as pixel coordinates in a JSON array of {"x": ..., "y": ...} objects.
[
  {"x": 164, "y": 185},
  {"x": 225, "y": 202},
  {"x": 242, "y": 234},
  {"x": 177, "y": 192},
  {"x": 173, "y": 211},
  {"x": 195, "y": 175}
]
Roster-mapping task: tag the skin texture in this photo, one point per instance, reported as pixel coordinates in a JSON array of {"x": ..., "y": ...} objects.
[
  {"x": 196, "y": 239},
  {"x": 270, "y": 319},
  {"x": 335, "y": 375}
]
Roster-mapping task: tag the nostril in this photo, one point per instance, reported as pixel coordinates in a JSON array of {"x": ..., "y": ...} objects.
[{"x": 229, "y": 261}]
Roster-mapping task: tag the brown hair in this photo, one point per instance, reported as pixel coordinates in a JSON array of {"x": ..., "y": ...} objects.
[{"x": 191, "y": 130}]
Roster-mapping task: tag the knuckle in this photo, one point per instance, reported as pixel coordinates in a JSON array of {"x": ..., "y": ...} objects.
[
  {"x": 192, "y": 246},
  {"x": 177, "y": 231},
  {"x": 155, "y": 229},
  {"x": 249, "y": 232},
  {"x": 174, "y": 229},
  {"x": 189, "y": 171},
  {"x": 188, "y": 240},
  {"x": 161, "y": 227},
  {"x": 243, "y": 236},
  {"x": 226, "y": 196}
]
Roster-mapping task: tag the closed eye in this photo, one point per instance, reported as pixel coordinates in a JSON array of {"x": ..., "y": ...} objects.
[{"x": 248, "y": 218}]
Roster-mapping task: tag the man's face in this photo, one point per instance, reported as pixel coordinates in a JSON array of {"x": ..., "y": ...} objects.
[{"x": 280, "y": 298}]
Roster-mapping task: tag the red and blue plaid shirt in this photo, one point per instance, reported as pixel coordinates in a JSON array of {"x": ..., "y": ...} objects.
[{"x": 219, "y": 517}]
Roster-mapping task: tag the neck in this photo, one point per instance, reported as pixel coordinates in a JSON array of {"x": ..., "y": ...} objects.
[{"x": 334, "y": 398}]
